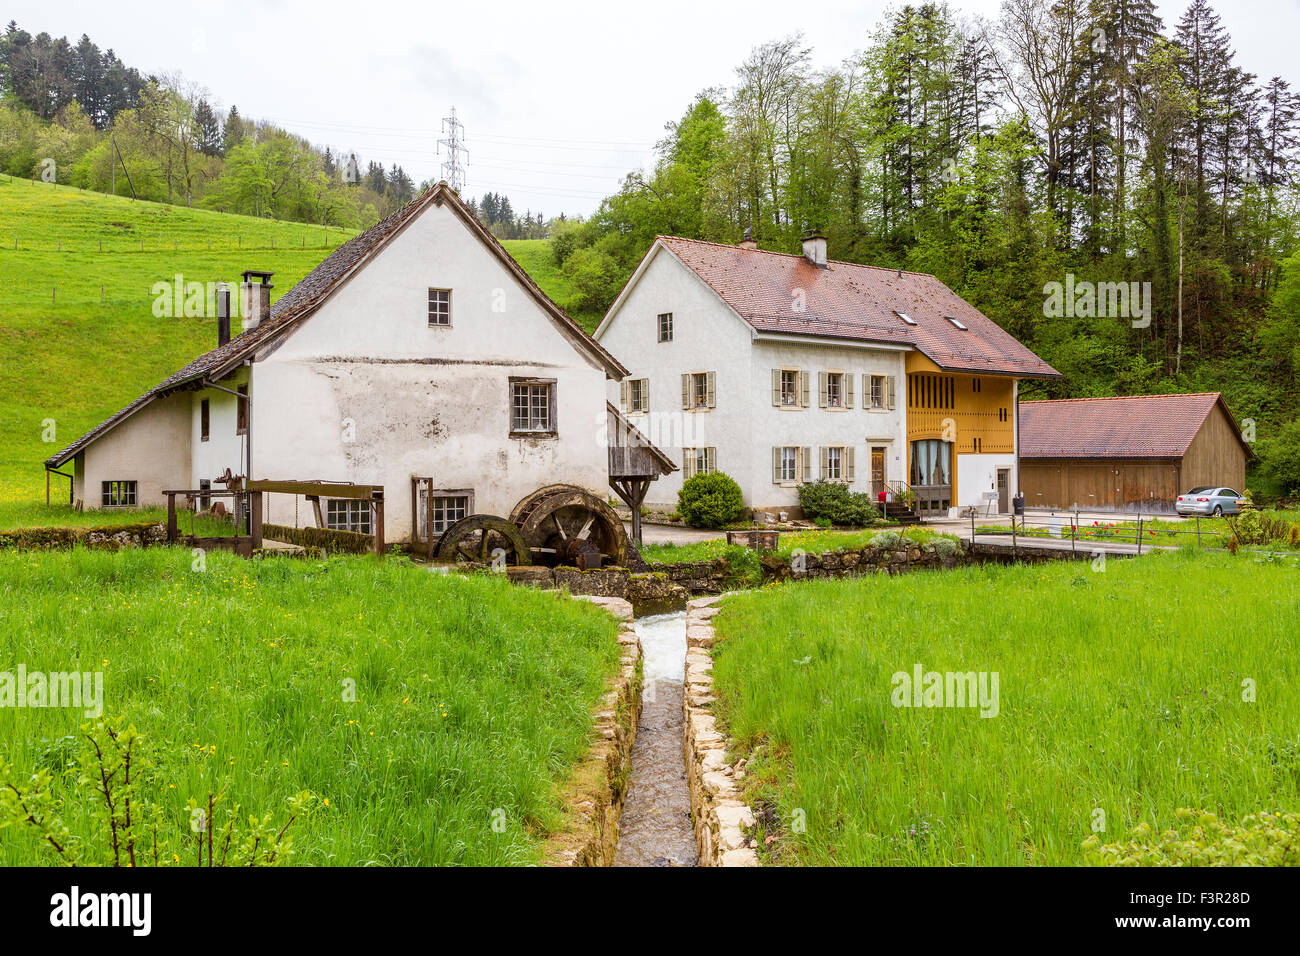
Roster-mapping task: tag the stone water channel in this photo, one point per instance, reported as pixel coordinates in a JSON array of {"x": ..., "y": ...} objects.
[{"x": 656, "y": 824}]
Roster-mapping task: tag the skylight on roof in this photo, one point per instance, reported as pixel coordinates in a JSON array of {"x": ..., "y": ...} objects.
[
  {"x": 957, "y": 322},
  {"x": 905, "y": 317}
]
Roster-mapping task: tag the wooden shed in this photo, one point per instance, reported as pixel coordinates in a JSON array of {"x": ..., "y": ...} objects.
[{"x": 1128, "y": 453}]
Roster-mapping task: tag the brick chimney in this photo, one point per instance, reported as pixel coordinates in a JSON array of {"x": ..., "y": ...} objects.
[
  {"x": 223, "y": 314},
  {"x": 255, "y": 298},
  {"x": 748, "y": 242},
  {"x": 814, "y": 248}
]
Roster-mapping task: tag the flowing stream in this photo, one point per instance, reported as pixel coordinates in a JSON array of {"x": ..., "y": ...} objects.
[{"x": 656, "y": 823}]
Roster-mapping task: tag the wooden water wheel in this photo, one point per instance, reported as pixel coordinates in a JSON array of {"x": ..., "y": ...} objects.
[
  {"x": 481, "y": 539},
  {"x": 564, "y": 524}
]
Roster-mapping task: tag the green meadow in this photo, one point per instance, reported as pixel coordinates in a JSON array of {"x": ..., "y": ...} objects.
[
  {"x": 77, "y": 329},
  {"x": 1122, "y": 697},
  {"x": 471, "y": 698}
]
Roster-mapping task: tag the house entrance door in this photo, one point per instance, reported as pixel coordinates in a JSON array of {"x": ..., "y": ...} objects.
[
  {"x": 1004, "y": 490},
  {"x": 877, "y": 472}
]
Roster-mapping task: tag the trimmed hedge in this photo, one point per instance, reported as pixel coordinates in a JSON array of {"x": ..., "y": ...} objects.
[{"x": 329, "y": 540}]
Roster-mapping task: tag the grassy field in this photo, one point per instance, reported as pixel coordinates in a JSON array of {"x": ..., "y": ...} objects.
[
  {"x": 472, "y": 697},
  {"x": 810, "y": 542},
  {"x": 1167, "y": 532},
  {"x": 77, "y": 329},
  {"x": 1120, "y": 700}
]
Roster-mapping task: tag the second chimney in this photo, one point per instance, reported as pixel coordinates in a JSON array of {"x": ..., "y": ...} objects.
[
  {"x": 223, "y": 314},
  {"x": 814, "y": 248},
  {"x": 255, "y": 298},
  {"x": 748, "y": 242}
]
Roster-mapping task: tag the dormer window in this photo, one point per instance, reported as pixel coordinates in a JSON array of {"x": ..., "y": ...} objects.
[
  {"x": 956, "y": 322},
  {"x": 905, "y": 317}
]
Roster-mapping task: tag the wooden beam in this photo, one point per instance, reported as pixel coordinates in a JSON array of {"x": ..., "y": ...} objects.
[{"x": 317, "y": 488}]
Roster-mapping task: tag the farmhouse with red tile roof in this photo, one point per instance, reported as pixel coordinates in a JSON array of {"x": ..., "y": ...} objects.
[{"x": 780, "y": 369}]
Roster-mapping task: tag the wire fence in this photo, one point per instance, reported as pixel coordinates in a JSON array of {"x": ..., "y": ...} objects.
[{"x": 1142, "y": 531}]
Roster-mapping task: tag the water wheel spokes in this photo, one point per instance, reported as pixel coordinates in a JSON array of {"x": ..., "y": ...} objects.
[
  {"x": 483, "y": 539},
  {"x": 564, "y": 524}
]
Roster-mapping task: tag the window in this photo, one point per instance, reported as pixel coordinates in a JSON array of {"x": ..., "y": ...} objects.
[
  {"x": 118, "y": 494},
  {"x": 698, "y": 390},
  {"x": 786, "y": 461},
  {"x": 1002, "y": 415},
  {"x": 956, "y": 322},
  {"x": 205, "y": 419},
  {"x": 347, "y": 514},
  {"x": 532, "y": 407},
  {"x": 837, "y": 463},
  {"x": 699, "y": 461},
  {"x": 241, "y": 411},
  {"x": 836, "y": 390},
  {"x": 636, "y": 395},
  {"x": 905, "y": 317},
  {"x": 877, "y": 391},
  {"x": 447, "y": 510},
  {"x": 931, "y": 462},
  {"x": 665, "y": 327},
  {"x": 439, "y": 307},
  {"x": 790, "y": 388},
  {"x": 976, "y": 385},
  {"x": 930, "y": 391},
  {"x": 449, "y": 506}
]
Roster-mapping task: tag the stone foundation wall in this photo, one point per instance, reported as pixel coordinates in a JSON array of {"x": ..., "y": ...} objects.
[
  {"x": 720, "y": 816},
  {"x": 599, "y": 785},
  {"x": 111, "y": 537}
]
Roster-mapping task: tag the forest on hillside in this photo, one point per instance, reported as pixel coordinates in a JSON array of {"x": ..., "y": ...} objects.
[{"x": 1067, "y": 138}]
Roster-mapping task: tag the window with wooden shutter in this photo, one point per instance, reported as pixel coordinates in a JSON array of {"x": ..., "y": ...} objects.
[
  {"x": 711, "y": 399},
  {"x": 826, "y": 463},
  {"x": 710, "y": 460},
  {"x": 776, "y": 386},
  {"x": 622, "y": 394},
  {"x": 688, "y": 463},
  {"x": 637, "y": 395},
  {"x": 823, "y": 398},
  {"x": 777, "y": 452},
  {"x": 848, "y": 390},
  {"x": 849, "y": 473},
  {"x": 807, "y": 467},
  {"x": 803, "y": 388},
  {"x": 686, "y": 390},
  {"x": 889, "y": 386}
]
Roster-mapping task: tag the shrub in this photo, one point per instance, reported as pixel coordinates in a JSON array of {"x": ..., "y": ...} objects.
[
  {"x": 1202, "y": 839},
  {"x": 833, "y": 502},
  {"x": 888, "y": 541},
  {"x": 710, "y": 501}
]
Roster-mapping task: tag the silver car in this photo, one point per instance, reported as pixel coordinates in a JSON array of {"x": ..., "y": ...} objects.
[{"x": 1210, "y": 500}]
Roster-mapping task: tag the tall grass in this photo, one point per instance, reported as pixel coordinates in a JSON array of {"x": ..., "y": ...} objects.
[
  {"x": 1120, "y": 692},
  {"x": 472, "y": 698}
]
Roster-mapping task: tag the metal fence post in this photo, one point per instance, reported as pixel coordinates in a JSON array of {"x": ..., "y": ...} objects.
[
  {"x": 1198, "y": 531},
  {"x": 1139, "y": 533}
]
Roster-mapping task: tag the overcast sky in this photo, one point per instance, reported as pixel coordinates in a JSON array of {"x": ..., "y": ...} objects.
[{"x": 559, "y": 99}]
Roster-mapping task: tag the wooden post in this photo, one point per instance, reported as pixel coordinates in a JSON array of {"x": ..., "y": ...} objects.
[
  {"x": 1074, "y": 533},
  {"x": 171, "y": 517},
  {"x": 1198, "y": 531},
  {"x": 428, "y": 512},
  {"x": 1139, "y": 533},
  {"x": 378, "y": 518},
  {"x": 255, "y": 501},
  {"x": 1013, "y": 532}
]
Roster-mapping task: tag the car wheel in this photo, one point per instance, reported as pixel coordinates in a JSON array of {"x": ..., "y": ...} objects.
[{"x": 1218, "y": 511}]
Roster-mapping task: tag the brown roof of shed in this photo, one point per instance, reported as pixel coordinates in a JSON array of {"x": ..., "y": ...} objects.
[
  {"x": 851, "y": 301},
  {"x": 1122, "y": 426},
  {"x": 303, "y": 299}
]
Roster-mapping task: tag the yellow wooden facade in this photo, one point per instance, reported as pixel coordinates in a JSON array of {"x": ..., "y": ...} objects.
[{"x": 975, "y": 413}]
